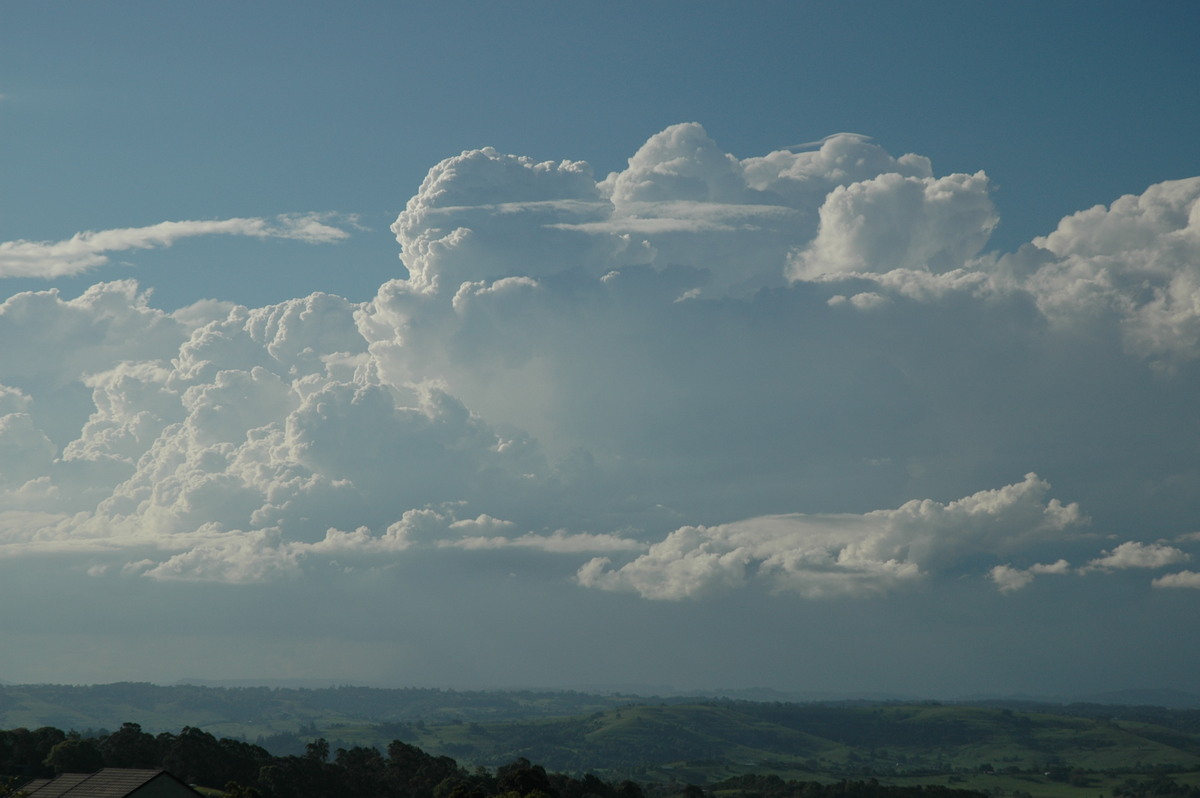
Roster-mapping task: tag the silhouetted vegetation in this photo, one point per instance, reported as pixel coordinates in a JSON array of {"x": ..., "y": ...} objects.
[{"x": 404, "y": 771}]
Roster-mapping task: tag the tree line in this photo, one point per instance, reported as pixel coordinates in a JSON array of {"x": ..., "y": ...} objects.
[{"x": 245, "y": 770}]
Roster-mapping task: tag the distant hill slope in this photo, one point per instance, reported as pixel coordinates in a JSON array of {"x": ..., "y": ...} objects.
[
  {"x": 647, "y": 739},
  {"x": 1171, "y": 699},
  {"x": 707, "y": 742},
  {"x": 250, "y": 711}
]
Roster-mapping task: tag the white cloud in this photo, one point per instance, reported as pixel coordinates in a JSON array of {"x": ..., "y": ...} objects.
[
  {"x": 1131, "y": 265},
  {"x": 539, "y": 384},
  {"x": 25, "y": 451},
  {"x": 1136, "y": 263},
  {"x": 468, "y": 219},
  {"x": 806, "y": 178},
  {"x": 808, "y": 145},
  {"x": 1056, "y": 567},
  {"x": 87, "y": 250},
  {"x": 680, "y": 163},
  {"x": 896, "y": 222},
  {"x": 270, "y": 419},
  {"x": 557, "y": 542},
  {"x": 51, "y": 341},
  {"x": 1184, "y": 579},
  {"x": 830, "y": 555},
  {"x": 1009, "y": 579},
  {"x": 234, "y": 558},
  {"x": 1133, "y": 554},
  {"x": 212, "y": 554},
  {"x": 867, "y": 300},
  {"x": 483, "y": 215}
]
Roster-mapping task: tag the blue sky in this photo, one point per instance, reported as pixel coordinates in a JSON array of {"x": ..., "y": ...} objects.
[
  {"x": 762, "y": 322},
  {"x": 130, "y": 113}
]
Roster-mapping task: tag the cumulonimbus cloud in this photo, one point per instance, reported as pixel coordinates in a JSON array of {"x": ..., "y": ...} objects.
[
  {"x": 616, "y": 368},
  {"x": 87, "y": 250}
]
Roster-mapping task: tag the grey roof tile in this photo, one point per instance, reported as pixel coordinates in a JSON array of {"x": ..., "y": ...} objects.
[{"x": 106, "y": 783}]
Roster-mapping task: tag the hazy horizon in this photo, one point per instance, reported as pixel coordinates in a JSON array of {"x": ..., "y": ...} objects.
[
  {"x": 1166, "y": 697},
  {"x": 815, "y": 347}
]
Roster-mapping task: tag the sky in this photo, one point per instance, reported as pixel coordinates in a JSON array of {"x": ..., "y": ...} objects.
[{"x": 835, "y": 348}]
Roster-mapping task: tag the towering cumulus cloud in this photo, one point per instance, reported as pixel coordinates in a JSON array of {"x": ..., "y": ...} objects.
[
  {"x": 1135, "y": 263},
  {"x": 698, "y": 374}
]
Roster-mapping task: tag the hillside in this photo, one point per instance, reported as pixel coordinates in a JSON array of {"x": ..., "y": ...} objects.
[
  {"x": 1034, "y": 749},
  {"x": 262, "y": 711},
  {"x": 707, "y": 742}
]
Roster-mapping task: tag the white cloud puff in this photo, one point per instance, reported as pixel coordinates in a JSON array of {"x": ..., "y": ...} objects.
[
  {"x": 894, "y": 222},
  {"x": 240, "y": 440},
  {"x": 470, "y": 217},
  {"x": 818, "y": 556},
  {"x": 1136, "y": 262},
  {"x": 1134, "y": 554},
  {"x": 51, "y": 341},
  {"x": 483, "y": 215},
  {"x": 25, "y": 451},
  {"x": 1131, "y": 265},
  {"x": 680, "y": 164},
  {"x": 1183, "y": 579},
  {"x": 1009, "y": 579}
]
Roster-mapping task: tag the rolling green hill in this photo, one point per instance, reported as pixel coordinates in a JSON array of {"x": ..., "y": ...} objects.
[
  {"x": 1076, "y": 751},
  {"x": 706, "y": 742}
]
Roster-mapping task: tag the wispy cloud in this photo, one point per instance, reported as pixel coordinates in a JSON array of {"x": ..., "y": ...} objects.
[
  {"x": 90, "y": 249},
  {"x": 810, "y": 145}
]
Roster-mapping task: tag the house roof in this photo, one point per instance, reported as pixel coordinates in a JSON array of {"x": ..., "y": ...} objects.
[{"x": 106, "y": 783}]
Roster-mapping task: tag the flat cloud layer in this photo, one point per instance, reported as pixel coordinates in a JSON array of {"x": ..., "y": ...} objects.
[
  {"x": 818, "y": 556},
  {"x": 699, "y": 375}
]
